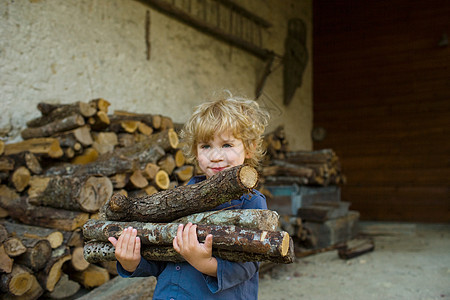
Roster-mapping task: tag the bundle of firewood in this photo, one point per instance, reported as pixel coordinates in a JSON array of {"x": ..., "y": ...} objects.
[
  {"x": 72, "y": 159},
  {"x": 282, "y": 166},
  {"x": 238, "y": 235}
]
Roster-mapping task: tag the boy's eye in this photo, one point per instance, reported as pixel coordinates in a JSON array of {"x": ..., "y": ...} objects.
[
  {"x": 227, "y": 146},
  {"x": 204, "y": 146}
]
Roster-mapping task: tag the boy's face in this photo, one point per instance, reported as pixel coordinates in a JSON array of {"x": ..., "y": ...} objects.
[{"x": 222, "y": 152}]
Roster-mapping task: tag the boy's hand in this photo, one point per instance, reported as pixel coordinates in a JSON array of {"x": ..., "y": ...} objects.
[
  {"x": 199, "y": 255},
  {"x": 128, "y": 249}
]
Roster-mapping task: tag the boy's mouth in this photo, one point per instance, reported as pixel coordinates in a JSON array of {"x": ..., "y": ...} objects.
[{"x": 218, "y": 169}]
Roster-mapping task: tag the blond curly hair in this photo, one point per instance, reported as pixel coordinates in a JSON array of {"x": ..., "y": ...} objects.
[{"x": 244, "y": 118}]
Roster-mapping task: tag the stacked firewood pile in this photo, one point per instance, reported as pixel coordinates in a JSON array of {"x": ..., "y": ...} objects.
[
  {"x": 282, "y": 166},
  {"x": 71, "y": 161},
  {"x": 303, "y": 186}
]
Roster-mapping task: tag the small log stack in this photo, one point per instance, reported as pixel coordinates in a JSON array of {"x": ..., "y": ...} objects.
[
  {"x": 238, "y": 235},
  {"x": 283, "y": 166},
  {"x": 71, "y": 160},
  {"x": 307, "y": 196}
]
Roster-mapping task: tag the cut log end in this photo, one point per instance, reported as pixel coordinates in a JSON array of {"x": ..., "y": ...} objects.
[
  {"x": 55, "y": 239},
  {"x": 20, "y": 284},
  {"x": 173, "y": 138},
  {"x": 117, "y": 202},
  {"x": 162, "y": 180},
  {"x": 95, "y": 193},
  {"x": 21, "y": 281},
  {"x": 248, "y": 176},
  {"x": 285, "y": 244}
]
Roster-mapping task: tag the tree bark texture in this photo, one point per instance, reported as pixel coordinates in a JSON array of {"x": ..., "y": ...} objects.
[
  {"x": 54, "y": 236},
  {"x": 87, "y": 193},
  {"x": 169, "y": 205},
  {"x": 112, "y": 163},
  {"x": 95, "y": 252},
  {"x": 228, "y": 237},
  {"x": 52, "y": 112},
  {"x": 36, "y": 255},
  {"x": 44, "y": 146},
  {"x": 44, "y": 216},
  {"x": 258, "y": 219},
  {"x": 68, "y": 123}
]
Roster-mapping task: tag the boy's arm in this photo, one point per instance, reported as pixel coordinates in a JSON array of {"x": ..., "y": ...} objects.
[{"x": 230, "y": 274}]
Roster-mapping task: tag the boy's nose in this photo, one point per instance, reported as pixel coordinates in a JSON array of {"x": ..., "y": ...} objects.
[{"x": 216, "y": 155}]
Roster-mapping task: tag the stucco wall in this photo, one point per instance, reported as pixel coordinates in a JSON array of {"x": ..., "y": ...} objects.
[{"x": 77, "y": 50}]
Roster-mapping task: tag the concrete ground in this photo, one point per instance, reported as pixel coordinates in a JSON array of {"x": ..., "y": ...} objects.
[{"x": 410, "y": 261}]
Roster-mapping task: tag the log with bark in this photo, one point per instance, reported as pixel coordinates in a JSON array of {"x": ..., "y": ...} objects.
[
  {"x": 6, "y": 262},
  {"x": 105, "y": 142},
  {"x": 262, "y": 219},
  {"x": 40, "y": 146},
  {"x": 227, "y": 237},
  {"x": 60, "y": 125},
  {"x": 78, "y": 262},
  {"x": 280, "y": 167},
  {"x": 18, "y": 282},
  {"x": 3, "y": 233},
  {"x": 92, "y": 277},
  {"x": 21, "y": 210},
  {"x": 87, "y": 193},
  {"x": 53, "y": 236},
  {"x": 153, "y": 121},
  {"x": 13, "y": 246},
  {"x": 96, "y": 252},
  {"x": 33, "y": 293},
  {"x": 70, "y": 138},
  {"x": 125, "y": 160},
  {"x": 26, "y": 159},
  {"x": 49, "y": 276},
  {"x": 64, "y": 289},
  {"x": 169, "y": 205},
  {"x": 257, "y": 219},
  {"x": 20, "y": 178},
  {"x": 120, "y": 288},
  {"x": 53, "y": 112},
  {"x": 37, "y": 253}
]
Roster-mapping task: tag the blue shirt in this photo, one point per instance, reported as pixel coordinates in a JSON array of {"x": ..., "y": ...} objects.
[{"x": 182, "y": 281}]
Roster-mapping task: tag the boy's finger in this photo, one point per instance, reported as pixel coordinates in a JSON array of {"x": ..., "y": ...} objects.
[
  {"x": 208, "y": 241},
  {"x": 113, "y": 240},
  {"x": 120, "y": 242},
  {"x": 133, "y": 236},
  {"x": 193, "y": 234},
  {"x": 186, "y": 234},
  {"x": 180, "y": 236},
  {"x": 175, "y": 245},
  {"x": 126, "y": 239},
  {"x": 137, "y": 247}
]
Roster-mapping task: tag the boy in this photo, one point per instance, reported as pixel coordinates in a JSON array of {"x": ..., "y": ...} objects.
[{"x": 219, "y": 135}]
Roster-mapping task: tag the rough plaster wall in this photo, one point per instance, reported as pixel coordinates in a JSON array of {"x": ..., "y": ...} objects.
[{"x": 77, "y": 50}]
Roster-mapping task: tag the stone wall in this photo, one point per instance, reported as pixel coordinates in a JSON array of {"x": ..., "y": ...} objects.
[{"x": 77, "y": 50}]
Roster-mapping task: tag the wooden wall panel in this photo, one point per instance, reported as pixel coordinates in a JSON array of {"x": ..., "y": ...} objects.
[{"x": 382, "y": 92}]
